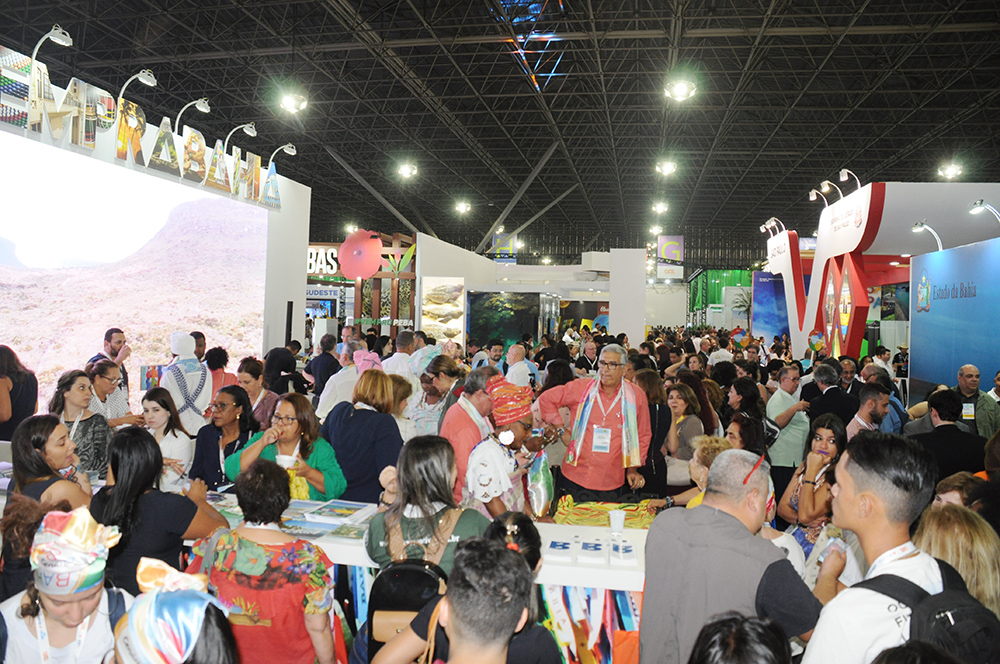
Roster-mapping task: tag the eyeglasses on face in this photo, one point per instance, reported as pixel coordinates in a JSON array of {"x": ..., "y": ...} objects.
[
  {"x": 279, "y": 419},
  {"x": 113, "y": 381},
  {"x": 610, "y": 365},
  {"x": 222, "y": 406}
]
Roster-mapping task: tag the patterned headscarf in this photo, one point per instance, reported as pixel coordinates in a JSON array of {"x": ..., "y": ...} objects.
[
  {"x": 510, "y": 402},
  {"x": 164, "y": 623},
  {"x": 70, "y": 551}
]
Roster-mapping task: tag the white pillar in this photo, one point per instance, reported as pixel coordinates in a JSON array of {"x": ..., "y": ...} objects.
[{"x": 628, "y": 294}]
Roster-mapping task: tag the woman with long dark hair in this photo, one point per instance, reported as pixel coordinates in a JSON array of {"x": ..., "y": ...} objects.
[
  {"x": 558, "y": 372},
  {"x": 153, "y": 524},
  {"x": 45, "y": 463},
  {"x": 710, "y": 420},
  {"x": 233, "y": 423},
  {"x": 163, "y": 420},
  {"x": 425, "y": 475},
  {"x": 18, "y": 392},
  {"x": 808, "y": 498},
  {"x": 88, "y": 430},
  {"x": 655, "y": 467}
]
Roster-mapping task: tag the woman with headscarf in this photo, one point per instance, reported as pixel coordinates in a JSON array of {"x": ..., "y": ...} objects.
[
  {"x": 493, "y": 479},
  {"x": 188, "y": 381},
  {"x": 174, "y": 620},
  {"x": 65, "y": 614}
]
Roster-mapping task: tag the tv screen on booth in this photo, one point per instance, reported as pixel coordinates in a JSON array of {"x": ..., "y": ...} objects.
[{"x": 87, "y": 245}]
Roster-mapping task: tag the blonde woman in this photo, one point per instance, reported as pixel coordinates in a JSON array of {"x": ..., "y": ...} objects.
[{"x": 964, "y": 540}]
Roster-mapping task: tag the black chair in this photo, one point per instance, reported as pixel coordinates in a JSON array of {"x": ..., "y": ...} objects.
[{"x": 399, "y": 591}]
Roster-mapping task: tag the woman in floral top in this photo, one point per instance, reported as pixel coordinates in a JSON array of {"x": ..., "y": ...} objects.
[{"x": 278, "y": 589}]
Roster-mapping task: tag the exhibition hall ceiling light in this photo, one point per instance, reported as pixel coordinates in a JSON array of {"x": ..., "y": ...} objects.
[
  {"x": 520, "y": 244},
  {"x": 293, "y": 103},
  {"x": 826, "y": 185},
  {"x": 201, "y": 104},
  {"x": 680, "y": 89},
  {"x": 950, "y": 171},
  {"x": 980, "y": 205},
  {"x": 407, "y": 170},
  {"x": 659, "y": 208},
  {"x": 546, "y": 260},
  {"x": 922, "y": 226},
  {"x": 666, "y": 168},
  {"x": 462, "y": 207},
  {"x": 287, "y": 148},
  {"x": 655, "y": 230},
  {"x": 815, "y": 194},
  {"x": 350, "y": 228}
]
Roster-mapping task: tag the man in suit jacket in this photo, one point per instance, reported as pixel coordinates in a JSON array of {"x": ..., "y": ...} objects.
[
  {"x": 832, "y": 398},
  {"x": 849, "y": 381},
  {"x": 954, "y": 449}
]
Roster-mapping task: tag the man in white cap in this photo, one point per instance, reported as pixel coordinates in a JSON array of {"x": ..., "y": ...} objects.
[{"x": 188, "y": 382}]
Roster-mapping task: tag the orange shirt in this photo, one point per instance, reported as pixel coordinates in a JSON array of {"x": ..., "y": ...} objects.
[{"x": 598, "y": 471}]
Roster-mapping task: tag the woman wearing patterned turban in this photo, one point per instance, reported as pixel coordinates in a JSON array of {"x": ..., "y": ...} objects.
[
  {"x": 64, "y": 613},
  {"x": 493, "y": 481}
]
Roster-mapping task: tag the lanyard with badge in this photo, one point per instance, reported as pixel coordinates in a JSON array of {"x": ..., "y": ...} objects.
[
  {"x": 602, "y": 435},
  {"x": 43, "y": 636},
  {"x": 892, "y": 555}
]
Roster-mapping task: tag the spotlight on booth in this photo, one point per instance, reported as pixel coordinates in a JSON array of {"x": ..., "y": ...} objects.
[
  {"x": 294, "y": 103},
  {"x": 922, "y": 226},
  {"x": 950, "y": 171},
  {"x": 200, "y": 104},
  {"x": 844, "y": 174},
  {"x": 287, "y": 148},
  {"x": 249, "y": 128},
  {"x": 826, "y": 185},
  {"x": 980, "y": 205},
  {"x": 56, "y": 35},
  {"x": 146, "y": 77},
  {"x": 772, "y": 227},
  {"x": 815, "y": 194}
]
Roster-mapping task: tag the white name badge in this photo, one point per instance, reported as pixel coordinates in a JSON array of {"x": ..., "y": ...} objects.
[
  {"x": 968, "y": 411},
  {"x": 602, "y": 440}
]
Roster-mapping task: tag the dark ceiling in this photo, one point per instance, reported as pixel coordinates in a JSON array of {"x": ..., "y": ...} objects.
[{"x": 475, "y": 92}]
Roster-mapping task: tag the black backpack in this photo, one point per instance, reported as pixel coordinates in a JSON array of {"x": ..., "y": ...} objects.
[{"x": 953, "y": 619}]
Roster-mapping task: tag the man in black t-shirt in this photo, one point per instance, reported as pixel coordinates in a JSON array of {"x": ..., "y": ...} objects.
[
  {"x": 587, "y": 362},
  {"x": 901, "y": 361},
  {"x": 323, "y": 366}
]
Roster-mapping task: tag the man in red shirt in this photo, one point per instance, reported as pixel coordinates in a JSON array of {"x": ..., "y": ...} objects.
[
  {"x": 601, "y": 464},
  {"x": 467, "y": 422}
]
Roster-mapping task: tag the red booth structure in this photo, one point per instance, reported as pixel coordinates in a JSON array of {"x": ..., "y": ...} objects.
[{"x": 866, "y": 239}]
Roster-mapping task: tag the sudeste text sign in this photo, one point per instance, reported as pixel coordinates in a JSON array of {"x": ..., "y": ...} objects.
[{"x": 87, "y": 116}]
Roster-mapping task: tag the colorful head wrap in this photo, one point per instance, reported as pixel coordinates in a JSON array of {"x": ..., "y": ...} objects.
[
  {"x": 70, "y": 551},
  {"x": 510, "y": 402},
  {"x": 366, "y": 359},
  {"x": 421, "y": 358},
  {"x": 164, "y": 623}
]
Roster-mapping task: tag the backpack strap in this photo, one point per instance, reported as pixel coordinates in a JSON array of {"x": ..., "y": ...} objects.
[
  {"x": 116, "y": 606},
  {"x": 428, "y": 655},
  {"x": 896, "y": 587},
  {"x": 950, "y": 578},
  {"x": 433, "y": 550},
  {"x": 208, "y": 555}
]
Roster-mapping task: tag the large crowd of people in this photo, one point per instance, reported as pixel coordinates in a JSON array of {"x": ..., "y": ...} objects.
[{"x": 814, "y": 496}]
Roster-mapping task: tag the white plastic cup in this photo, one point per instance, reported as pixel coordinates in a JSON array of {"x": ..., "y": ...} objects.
[
  {"x": 286, "y": 461},
  {"x": 617, "y": 519}
]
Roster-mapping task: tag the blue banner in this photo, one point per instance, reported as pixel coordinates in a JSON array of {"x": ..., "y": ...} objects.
[{"x": 955, "y": 315}]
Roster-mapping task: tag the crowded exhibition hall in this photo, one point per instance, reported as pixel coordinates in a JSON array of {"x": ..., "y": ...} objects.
[{"x": 500, "y": 331}]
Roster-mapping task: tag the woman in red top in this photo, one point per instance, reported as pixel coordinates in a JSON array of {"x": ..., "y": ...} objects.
[{"x": 278, "y": 589}]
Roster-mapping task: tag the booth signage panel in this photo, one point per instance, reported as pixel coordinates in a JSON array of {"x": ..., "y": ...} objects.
[
  {"x": 670, "y": 257},
  {"x": 955, "y": 314}
]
